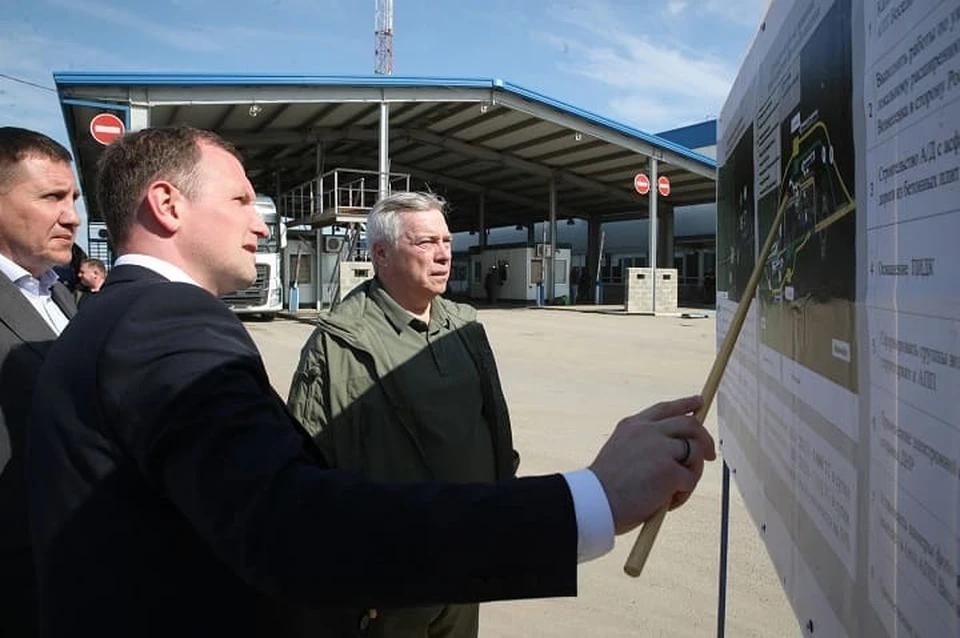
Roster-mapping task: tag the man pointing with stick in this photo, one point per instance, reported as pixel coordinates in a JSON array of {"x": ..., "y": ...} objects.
[{"x": 169, "y": 488}]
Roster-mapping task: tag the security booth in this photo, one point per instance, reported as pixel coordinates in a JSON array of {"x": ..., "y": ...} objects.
[
  {"x": 300, "y": 262},
  {"x": 518, "y": 273},
  {"x": 458, "y": 286},
  {"x": 310, "y": 257},
  {"x": 316, "y": 271}
]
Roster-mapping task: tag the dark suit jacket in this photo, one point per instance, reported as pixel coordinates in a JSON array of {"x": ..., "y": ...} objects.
[
  {"x": 171, "y": 491},
  {"x": 25, "y": 338}
]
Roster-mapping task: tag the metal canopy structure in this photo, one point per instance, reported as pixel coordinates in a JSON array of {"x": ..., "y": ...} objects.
[{"x": 493, "y": 149}]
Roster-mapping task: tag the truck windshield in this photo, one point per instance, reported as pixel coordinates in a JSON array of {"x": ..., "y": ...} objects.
[{"x": 270, "y": 243}]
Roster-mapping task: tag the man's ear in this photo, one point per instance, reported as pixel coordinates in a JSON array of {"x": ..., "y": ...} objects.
[
  {"x": 164, "y": 205},
  {"x": 380, "y": 253}
]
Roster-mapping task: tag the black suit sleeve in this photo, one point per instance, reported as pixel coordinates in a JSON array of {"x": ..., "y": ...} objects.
[{"x": 185, "y": 393}]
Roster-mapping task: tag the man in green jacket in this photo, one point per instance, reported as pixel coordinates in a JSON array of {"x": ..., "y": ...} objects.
[{"x": 401, "y": 384}]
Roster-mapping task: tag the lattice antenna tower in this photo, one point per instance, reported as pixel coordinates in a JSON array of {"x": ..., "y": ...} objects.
[{"x": 383, "y": 48}]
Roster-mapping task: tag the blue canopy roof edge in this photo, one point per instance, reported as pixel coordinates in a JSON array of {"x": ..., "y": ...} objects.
[{"x": 94, "y": 78}]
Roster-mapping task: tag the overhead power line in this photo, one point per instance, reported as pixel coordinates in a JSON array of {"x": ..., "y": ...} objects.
[{"x": 27, "y": 82}]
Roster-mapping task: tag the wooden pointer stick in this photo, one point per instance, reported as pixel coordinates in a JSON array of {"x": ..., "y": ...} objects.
[{"x": 643, "y": 545}]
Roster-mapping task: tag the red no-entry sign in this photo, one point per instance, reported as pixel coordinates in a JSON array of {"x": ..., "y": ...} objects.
[
  {"x": 641, "y": 183},
  {"x": 663, "y": 185},
  {"x": 106, "y": 127}
]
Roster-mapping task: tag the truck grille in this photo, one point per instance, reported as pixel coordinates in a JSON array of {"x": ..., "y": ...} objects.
[{"x": 255, "y": 295}]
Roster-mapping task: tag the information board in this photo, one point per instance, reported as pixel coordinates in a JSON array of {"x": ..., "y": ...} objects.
[{"x": 840, "y": 409}]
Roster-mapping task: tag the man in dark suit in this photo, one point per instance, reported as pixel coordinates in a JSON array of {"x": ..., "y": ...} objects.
[
  {"x": 38, "y": 219},
  {"x": 171, "y": 492}
]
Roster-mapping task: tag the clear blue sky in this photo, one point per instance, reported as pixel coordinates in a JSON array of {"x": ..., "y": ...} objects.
[{"x": 654, "y": 65}]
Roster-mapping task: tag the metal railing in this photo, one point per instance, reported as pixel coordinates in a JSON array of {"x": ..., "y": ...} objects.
[{"x": 342, "y": 195}]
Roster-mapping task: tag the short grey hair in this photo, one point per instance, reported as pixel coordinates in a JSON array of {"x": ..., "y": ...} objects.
[{"x": 383, "y": 222}]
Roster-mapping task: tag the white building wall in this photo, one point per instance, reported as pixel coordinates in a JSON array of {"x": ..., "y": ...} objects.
[{"x": 519, "y": 285}]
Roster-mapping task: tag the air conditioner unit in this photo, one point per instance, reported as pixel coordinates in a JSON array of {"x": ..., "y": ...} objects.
[
  {"x": 543, "y": 251},
  {"x": 332, "y": 244}
]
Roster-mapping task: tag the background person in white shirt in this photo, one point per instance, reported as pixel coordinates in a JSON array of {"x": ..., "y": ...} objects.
[
  {"x": 90, "y": 277},
  {"x": 92, "y": 274},
  {"x": 38, "y": 221}
]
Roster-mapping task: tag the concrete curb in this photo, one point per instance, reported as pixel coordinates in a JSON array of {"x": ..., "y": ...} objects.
[{"x": 683, "y": 313}]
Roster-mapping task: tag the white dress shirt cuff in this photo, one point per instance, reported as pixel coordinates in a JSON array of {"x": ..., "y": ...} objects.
[{"x": 594, "y": 518}]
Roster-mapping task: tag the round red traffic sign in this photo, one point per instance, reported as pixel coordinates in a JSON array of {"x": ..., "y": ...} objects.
[
  {"x": 663, "y": 185},
  {"x": 106, "y": 127},
  {"x": 641, "y": 183}
]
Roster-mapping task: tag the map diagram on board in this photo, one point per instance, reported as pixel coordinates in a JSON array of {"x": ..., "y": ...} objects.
[
  {"x": 815, "y": 198},
  {"x": 807, "y": 292}
]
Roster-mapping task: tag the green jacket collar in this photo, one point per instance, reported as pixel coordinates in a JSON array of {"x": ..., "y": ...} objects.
[{"x": 347, "y": 322}]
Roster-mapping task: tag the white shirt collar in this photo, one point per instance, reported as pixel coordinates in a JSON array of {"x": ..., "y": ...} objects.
[
  {"x": 16, "y": 273},
  {"x": 159, "y": 266}
]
